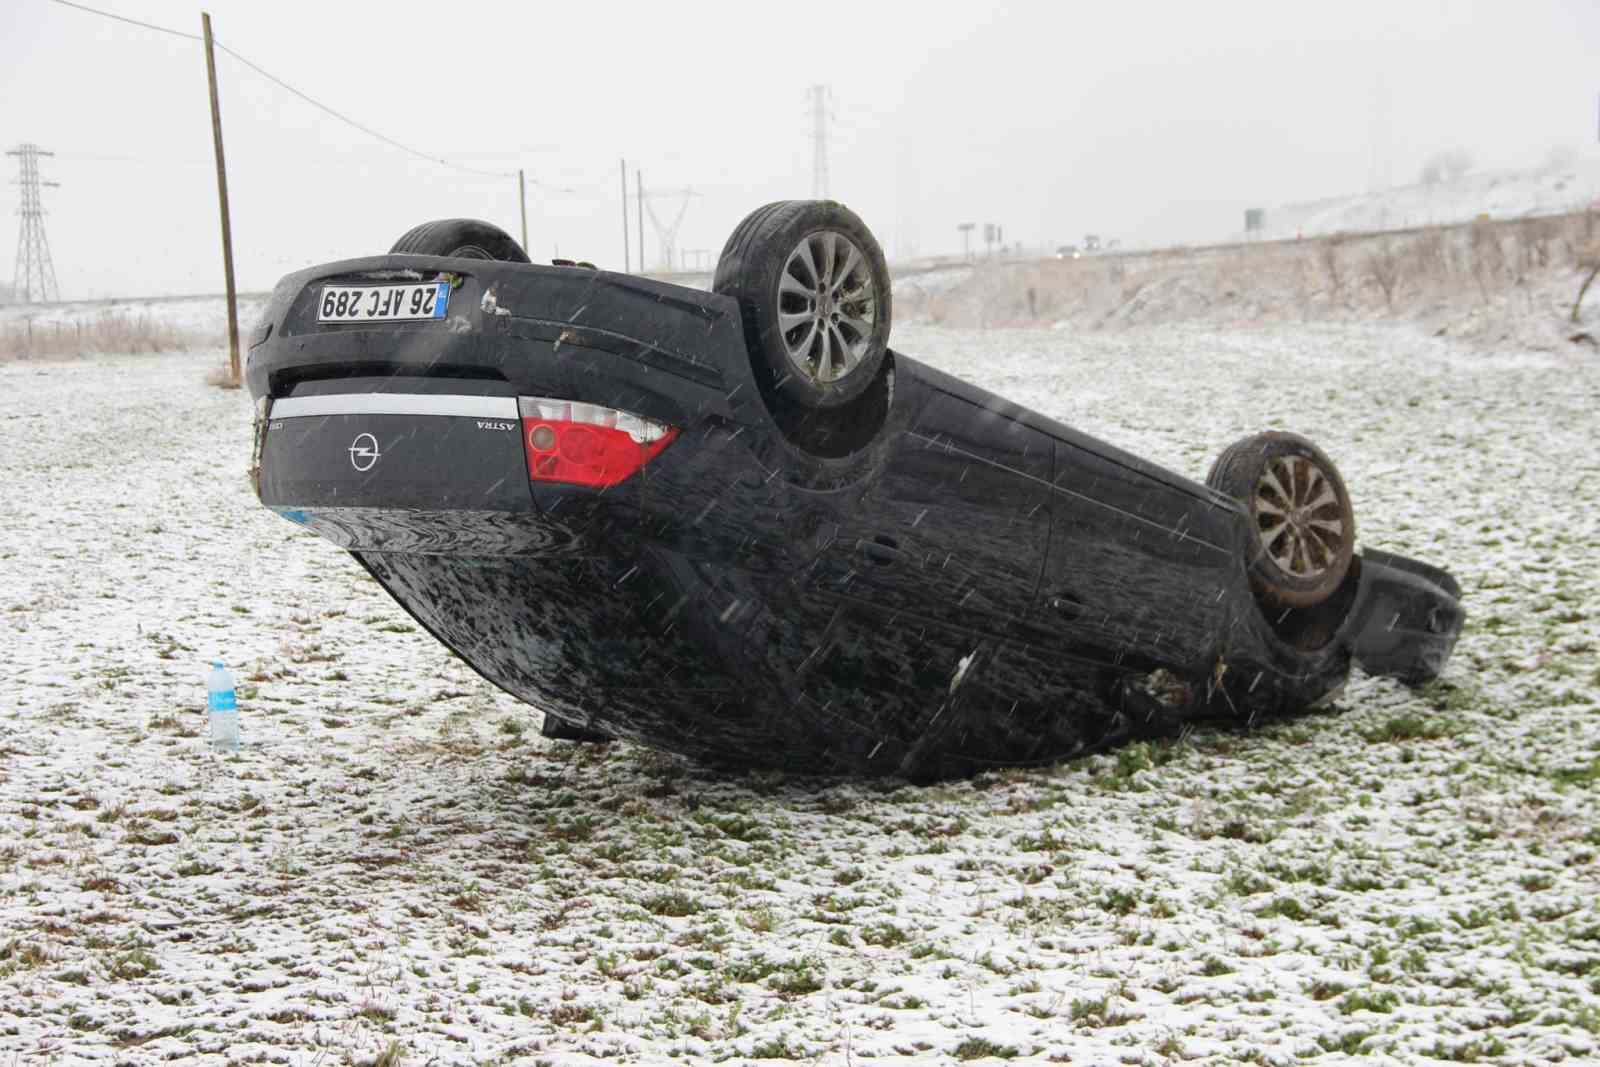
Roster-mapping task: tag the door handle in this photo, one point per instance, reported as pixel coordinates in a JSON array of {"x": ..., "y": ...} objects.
[{"x": 881, "y": 551}]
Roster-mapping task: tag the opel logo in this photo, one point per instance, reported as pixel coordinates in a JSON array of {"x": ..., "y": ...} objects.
[{"x": 364, "y": 452}]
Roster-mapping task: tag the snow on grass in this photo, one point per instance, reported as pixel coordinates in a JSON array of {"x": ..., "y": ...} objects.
[{"x": 396, "y": 868}]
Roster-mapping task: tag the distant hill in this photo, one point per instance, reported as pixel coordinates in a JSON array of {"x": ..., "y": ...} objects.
[{"x": 1499, "y": 194}]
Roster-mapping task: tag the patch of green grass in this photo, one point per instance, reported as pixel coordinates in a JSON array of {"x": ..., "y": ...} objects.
[
  {"x": 1041, "y": 842},
  {"x": 795, "y": 981},
  {"x": 1408, "y": 727},
  {"x": 884, "y": 934},
  {"x": 1382, "y": 1001},
  {"x": 977, "y": 1048},
  {"x": 1119, "y": 901},
  {"x": 21, "y": 955},
  {"x": 675, "y": 904},
  {"x": 1097, "y": 1012},
  {"x": 1579, "y": 776},
  {"x": 1246, "y": 883},
  {"x": 1349, "y": 1042},
  {"x": 1288, "y": 907},
  {"x": 570, "y": 1014},
  {"x": 133, "y": 962},
  {"x": 1471, "y": 1052},
  {"x": 777, "y": 1048},
  {"x": 849, "y": 876}
]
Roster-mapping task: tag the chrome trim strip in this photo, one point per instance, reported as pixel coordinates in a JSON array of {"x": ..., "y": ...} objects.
[{"x": 482, "y": 407}]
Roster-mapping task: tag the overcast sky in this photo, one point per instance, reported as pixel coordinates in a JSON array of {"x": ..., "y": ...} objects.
[{"x": 1152, "y": 122}]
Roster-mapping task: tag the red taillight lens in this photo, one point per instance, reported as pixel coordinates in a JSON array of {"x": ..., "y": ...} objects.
[{"x": 586, "y": 444}]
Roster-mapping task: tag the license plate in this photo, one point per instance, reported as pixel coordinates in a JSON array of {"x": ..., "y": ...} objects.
[{"x": 383, "y": 303}]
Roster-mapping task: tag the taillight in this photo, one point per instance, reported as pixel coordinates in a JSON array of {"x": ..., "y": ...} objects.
[{"x": 586, "y": 444}]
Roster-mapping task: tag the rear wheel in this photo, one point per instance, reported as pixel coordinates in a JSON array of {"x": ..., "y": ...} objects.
[
  {"x": 813, "y": 292},
  {"x": 462, "y": 238},
  {"x": 1302, "y": 529}
]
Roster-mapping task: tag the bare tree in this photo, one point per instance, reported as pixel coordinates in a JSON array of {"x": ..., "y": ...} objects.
[
  {"x": 1328, "y": 256},
  {"x": 1588, "y": 257},
  {"x": 1488, "y": 257},
  {"x": 1383, "y": 267},
  {"x": 1456, "y": 163},
  {"x": 1449, "y": 166}
]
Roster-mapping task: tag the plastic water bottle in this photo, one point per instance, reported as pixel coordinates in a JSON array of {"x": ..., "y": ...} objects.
[{"x": 222, "y": 709}]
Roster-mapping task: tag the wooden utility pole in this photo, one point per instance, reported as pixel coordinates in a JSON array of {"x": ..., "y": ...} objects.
[
  {"x": 222, "y": 200},
  {"x": 639, "y": 174},
  {"x": 627, "y": 244},
  {"x": 522, "y": 201}
]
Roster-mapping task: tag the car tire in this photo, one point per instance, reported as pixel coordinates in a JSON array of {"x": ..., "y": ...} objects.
[
  {"x": 1301, "y": 535},
  {"x": 463, "y": 239},
  {"x": 813, "y": 293}
]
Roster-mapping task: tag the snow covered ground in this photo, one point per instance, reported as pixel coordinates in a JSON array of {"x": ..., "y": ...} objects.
[{"x": 396, "y": 868}]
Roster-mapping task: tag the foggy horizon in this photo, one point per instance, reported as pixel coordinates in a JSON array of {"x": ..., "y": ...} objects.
[{"x": 1149, "y": 124}]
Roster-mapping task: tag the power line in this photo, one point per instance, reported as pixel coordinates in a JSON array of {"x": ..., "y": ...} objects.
[
  {"x": 369, "y": 131},
  {"x": 131, "y": 22}
]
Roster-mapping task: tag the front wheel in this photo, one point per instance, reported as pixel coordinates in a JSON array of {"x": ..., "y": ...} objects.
[
  {"x": 813, "y": 293},
  {"x": 1302, "y": 529}
]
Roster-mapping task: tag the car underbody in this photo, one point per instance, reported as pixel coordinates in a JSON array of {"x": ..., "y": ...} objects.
[{"x": 925, "y": 581}]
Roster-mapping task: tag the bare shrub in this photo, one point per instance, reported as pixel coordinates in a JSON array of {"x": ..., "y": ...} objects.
[
  {"x": 1328, "y": 256},
  {"x": 1588, "y": 260},
  {"x": 221, "y": 377},
  {"x": 1536, "y": 241},
  {"x": 1456, "y": 163},
  {"x": 1449, "y": 166},
  {"x": 1384, "y": 267},
  {"x": 1430, "y": 259},
  {"x": 1488, "y": 256},
  {"x": 29, "y": 339}
]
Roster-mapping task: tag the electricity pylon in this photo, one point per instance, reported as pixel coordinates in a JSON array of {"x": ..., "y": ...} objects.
[
  {"x": 819, "y": 95},
  {"x": 667, "y": 235},
  {"x": 35, "y": 277}
]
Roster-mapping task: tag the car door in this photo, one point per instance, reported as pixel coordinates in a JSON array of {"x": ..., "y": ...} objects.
[
  {"x": 1138, "y": 561},
  {"x": 954, "y": 529}
]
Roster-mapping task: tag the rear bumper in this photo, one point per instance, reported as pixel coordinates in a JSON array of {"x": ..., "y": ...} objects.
[{"x": 439, "y": 452}]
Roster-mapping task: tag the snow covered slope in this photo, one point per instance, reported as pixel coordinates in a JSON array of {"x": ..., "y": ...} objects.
[{"x": 1499, "y": 194}]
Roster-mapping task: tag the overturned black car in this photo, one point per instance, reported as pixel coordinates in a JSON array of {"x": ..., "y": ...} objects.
[{"x": 737, "y": 525}]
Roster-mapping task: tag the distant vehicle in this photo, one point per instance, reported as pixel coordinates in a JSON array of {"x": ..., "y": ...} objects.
[
  {"x": 1067, "y": 252},
  {"x": 1091, "y": 242},
  {"x": 737, "y": 525}
]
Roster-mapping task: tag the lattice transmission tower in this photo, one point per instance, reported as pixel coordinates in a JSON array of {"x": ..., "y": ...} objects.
[
  {"x": 35, "y": 277},
  {"x": 819, "y": 95},
  {"x": 666, "y": 233}
]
